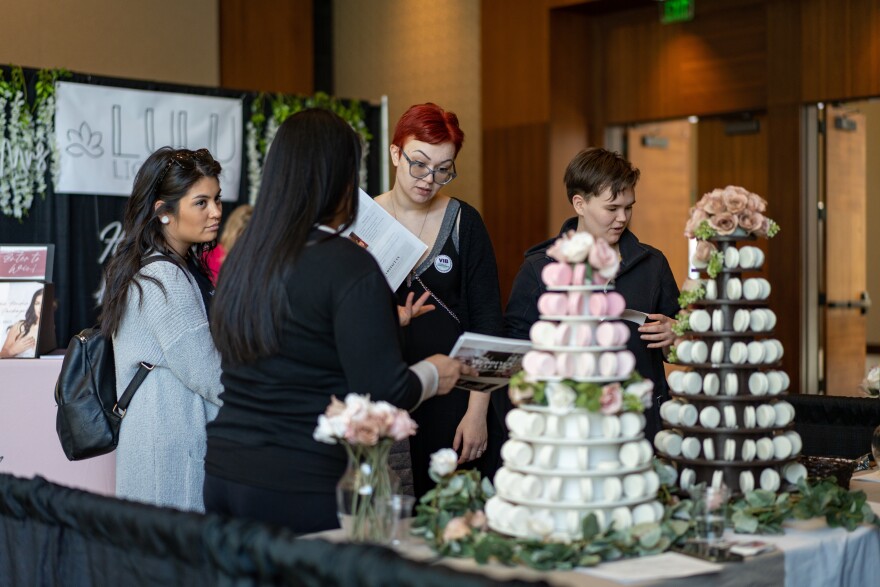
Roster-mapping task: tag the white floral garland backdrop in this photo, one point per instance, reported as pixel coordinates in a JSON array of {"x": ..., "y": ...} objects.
[
  {"x": 27, "y": 139},
  {"x": 261, "y": 129}
]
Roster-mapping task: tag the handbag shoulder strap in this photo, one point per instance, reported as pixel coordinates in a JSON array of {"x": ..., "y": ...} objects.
[{"x": 122, "y": 405}]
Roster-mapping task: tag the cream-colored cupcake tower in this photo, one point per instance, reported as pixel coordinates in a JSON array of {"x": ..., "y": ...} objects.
[
  {"x": 562, "y": 462},
  {"x": 728, "y": 421}
]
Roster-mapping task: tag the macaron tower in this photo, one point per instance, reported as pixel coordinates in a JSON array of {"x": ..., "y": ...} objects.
[
  {"x": 576, "y": 436},
  {"x": 728, "y": 421}
]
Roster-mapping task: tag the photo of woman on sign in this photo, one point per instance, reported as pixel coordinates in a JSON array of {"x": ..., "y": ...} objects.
[{"x": 21, "y": 336}]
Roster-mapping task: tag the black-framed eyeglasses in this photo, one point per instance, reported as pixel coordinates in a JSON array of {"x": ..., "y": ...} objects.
[{"x": 419, "y": 170}]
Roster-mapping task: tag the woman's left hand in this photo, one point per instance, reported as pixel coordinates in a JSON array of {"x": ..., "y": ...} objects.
[
  {"x": 658, "y": 334},
  {"x": 471, "y": 436},
  {"x": 413, "y": 309}
]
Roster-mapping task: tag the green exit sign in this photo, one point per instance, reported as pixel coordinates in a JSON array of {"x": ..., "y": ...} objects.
[{"x": 676, "y": 11}]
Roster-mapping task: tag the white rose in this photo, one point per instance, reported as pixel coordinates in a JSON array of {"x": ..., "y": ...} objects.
[
  {"x": 541, "y": 524},
  {"x": 576, "y": 247},
  {"x": 443, "y": 462},
  {"x": 325, "y": 431},
  {"x": 643, "y": 390},
  {"x": 560, "y": 397},
  {"x": 873, "y": 379},
  {"x": 357, "y": 407}
]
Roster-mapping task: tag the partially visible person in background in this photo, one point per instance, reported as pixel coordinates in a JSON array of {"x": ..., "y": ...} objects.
[
  {"x": 235, "y": 225},
  {"x": 21, "y": 337}
]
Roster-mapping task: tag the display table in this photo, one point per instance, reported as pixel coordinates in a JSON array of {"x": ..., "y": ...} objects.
[
  {"x": 28, "y": 441},
  {"x": 808, "y": 554}
]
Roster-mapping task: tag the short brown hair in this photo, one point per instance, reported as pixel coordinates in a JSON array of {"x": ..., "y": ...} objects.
[{"x": 595, "y": 169}]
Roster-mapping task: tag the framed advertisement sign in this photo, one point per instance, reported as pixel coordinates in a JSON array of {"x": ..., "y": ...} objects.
[{"x": 27, "y": 326}]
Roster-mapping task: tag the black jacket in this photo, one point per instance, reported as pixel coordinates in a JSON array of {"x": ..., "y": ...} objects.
[{"x": 645, "y": 281}]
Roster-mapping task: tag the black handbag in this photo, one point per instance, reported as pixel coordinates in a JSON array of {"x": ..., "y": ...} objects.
[{"x": 89, "y": 417}]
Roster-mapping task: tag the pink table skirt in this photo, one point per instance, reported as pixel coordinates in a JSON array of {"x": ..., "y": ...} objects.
[{"x": 28, "y": 442}]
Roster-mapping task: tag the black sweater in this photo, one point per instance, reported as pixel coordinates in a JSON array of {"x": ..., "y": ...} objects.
[
  {"x": 644, "y": 279},
  {"x": 340, "y": 335}
]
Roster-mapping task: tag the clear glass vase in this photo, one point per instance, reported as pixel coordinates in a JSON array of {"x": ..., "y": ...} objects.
[{"x": 364, "y": 491}]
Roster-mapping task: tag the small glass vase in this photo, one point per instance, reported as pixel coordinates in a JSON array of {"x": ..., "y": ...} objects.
[{"x": 363, "y": 492}]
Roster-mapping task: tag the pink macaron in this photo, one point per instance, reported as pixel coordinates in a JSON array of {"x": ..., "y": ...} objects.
[
  {"x": 555, "y": 274},
  {"x": 553, "y": 304},
  {"x": 579, "y": 274},
  {"x": 608, "y": 364},
  {"x": 562, "y": 335},
  {"x": 565, "y": 364},
  {"x": 575, "y": 303},
  {"x": 616, "y": 304},
  {"x": 539, "y": 364},
  {"x": 623, "y": 333},
  {"x": 585, "y": 365},
  {"x": 626, "y": 362},
  {"x": 583, "y": 335},
  {"x": 598, "y": 304},
  {"x": 606, "y": 334}
]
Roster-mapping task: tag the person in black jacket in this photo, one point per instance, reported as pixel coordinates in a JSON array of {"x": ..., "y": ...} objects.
[{"x": 601, "y": 189}]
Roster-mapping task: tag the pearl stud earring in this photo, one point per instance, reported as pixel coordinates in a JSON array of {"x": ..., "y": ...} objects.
[{"x": 165, "y": 220}]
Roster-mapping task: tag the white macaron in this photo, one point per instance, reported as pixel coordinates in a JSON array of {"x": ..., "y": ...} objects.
[
  {"x": 675, "y": 380},
  {"x": 711, "y": 289},
  {"x": 690, "y": 447},
  {"x": 758, "y": 384},
  {"x": 709, "y": 449},
  {"x": 717, "y": 320},
  {"x": 731, "y": 384},
  {"x": 710, "y": 417},
  {"x": 739, "y": 353},
  {"x": 717, "y": 354},
  {"x": 746, "y": 481},
  {"x": 781, "y": 447},
  {"x": 748, "y": 450},
  {"x": 730, "y": 450},
  {"x": 749, "y": 417},
  {"x": 731, "y": 258},
  {"x": 769, "y": 480},
  {"x": 734, "y": 289},
  {"x": 764, "y": 449},
  {"x": 692, "y": 383},
  {"x": 741, "y": 320},
  {"x": 711, "y": 383},
  {"x": 700, "y": 321},
  {"x": 729, "y": 417},
  {"x": 688, "y": 415},
  {"x": 699, "y": 352}
]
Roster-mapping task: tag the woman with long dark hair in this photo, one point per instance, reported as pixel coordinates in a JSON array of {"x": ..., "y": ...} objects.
[
  {"x": 21, "y": 337},
  {"x": 301, "y": 315},
  {"x": 157, "y": 313}
]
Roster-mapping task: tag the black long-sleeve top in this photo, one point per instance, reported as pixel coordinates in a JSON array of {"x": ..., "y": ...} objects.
[{"x": 340, "y": 335}]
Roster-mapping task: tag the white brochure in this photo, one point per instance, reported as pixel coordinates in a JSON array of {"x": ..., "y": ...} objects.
[{"x": 396, "y": 249}]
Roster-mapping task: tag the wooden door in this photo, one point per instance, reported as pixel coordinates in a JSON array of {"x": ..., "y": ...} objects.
[
  {"x": 663, "y": 153},
  {"x": 844, "y": 324}
]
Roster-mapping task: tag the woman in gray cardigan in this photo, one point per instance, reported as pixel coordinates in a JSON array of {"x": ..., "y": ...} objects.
[{"x": 158, "y": 314}]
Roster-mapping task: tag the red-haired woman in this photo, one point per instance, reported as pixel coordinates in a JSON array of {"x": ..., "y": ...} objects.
[{"x": 459, "y": 273}]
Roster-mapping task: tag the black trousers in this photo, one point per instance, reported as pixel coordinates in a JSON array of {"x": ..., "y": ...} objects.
[{"x": 303, "y": 513}]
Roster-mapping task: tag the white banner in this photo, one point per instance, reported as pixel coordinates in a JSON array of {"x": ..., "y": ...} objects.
[{"x": 105, "y": 133}]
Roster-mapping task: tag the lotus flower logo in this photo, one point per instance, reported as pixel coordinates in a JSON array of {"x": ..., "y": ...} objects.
[{"x": 84, "y": 142}]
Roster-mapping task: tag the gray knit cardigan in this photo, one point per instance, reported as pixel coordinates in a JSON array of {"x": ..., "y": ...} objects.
[{"x": 162, "y": 441}]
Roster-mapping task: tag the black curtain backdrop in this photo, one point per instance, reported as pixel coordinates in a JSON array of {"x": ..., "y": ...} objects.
[
  {"x": 74, "y": 223},
  {"x": 52, "y": 535}
]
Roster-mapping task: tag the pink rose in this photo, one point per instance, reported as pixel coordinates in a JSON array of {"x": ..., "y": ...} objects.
[
  {"x": 478, "y": 520},
  {"x": 604, "y": 258},
  {"x": 335, "y": 408},
  {"x": 402, "y": 426},
  {"x": 704, "y": 251},
  {"x": 724, "y": 223},
  {"x": 750, "y": 221},
  {"x": 713, "y": 202},
  {"x": 735, "y": 200},
  {"x": 612, "y": 399},
  {"x": 697, "y": 216},
  {"x": 456, "y": 529},
  {"x": 757, "y": 203}
]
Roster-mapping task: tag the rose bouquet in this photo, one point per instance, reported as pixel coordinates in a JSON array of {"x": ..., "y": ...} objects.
[
  {"x": 633, "y": 395},
  {"x": 723, "y": 212},
  {"x": 602, "y": 261},
  {"x": 367, "y": 430},
  {"x": 871, "y": 384}
]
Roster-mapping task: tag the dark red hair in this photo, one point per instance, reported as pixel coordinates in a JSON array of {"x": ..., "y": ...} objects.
[{"x": 430, "y": 124}]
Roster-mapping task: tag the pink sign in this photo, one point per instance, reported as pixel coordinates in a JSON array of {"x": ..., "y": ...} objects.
[{"x": 26, "y": 262}]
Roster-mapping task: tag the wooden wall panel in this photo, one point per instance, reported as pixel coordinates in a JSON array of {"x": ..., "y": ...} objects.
[
  {"x": 841, "y": 49},
  {"x": 571, "y": 79},
  {"x": 715, "y": 63},
  {"x": 515, "y": 66},
  {"x": 515, "y": 208},
  {"x": 267, "y": 45}
]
